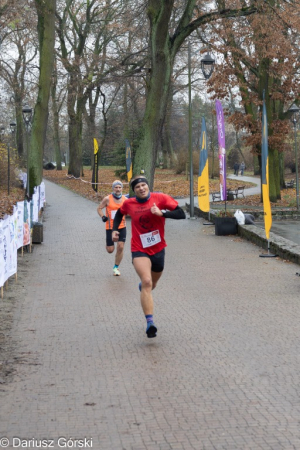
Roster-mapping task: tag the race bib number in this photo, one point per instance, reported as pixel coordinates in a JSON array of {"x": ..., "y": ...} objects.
[
  {"x": 149, "y": 239},
  {"x": 113, "y": 213}
]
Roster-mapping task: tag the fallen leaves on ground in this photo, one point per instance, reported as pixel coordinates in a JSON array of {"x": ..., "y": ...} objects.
[
  {"x": 7, "y": 202},
  {"x": 165, "y": 181}
]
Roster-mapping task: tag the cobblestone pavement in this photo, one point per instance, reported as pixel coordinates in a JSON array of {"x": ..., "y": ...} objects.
[{"x": 223, "y": 372}]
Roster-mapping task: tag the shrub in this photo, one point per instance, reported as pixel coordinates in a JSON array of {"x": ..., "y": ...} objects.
[
  {"x": 14, "y": 167},
  {"x": 180, "y": 164}
]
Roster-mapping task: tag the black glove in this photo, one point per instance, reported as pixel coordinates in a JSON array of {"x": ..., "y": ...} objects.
[{"x": 104, "y": 219}]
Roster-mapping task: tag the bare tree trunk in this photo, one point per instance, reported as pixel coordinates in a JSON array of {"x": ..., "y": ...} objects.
[
  {"x": 55, "y": 113},
  {"x": 19, "y": 128},
  {"x": 158, "y": 89},
  {"x": 75, "y": 145},
  {"x": 46, "y": 32},
  {"x": 75, "y": 112}
]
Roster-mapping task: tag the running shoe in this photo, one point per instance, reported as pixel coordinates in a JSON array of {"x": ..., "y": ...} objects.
[
  {"x": 116, "y": 272},
  {"x": 151, "y": 330},
  {"x": 140, "y": 286}
]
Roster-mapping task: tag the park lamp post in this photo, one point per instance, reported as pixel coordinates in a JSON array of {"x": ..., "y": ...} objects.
[
  {"x": 27, "y": 117},
  {"x": 207, "y": 67},
  {"x": 2, "y": 132},
  {"x": 294, "y": 110},
  {"x": 12, "y": 127}
]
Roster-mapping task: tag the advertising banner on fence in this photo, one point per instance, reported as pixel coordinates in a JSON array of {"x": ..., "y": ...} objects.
[
  {"x": 12, "y": 244},
  {"x": 15, "y": 232},
  {"x": 265, "y": 171},
  {"x": 20, "y": 224},
  {"x": 42, "y": 195},
  {"x": 203, "y": 178},
  {"x": 2, "y": 263},
  {"x": 222, "y": 150},
  {"x": 4, "y": 239},
  {"x": 35, "y": 205},
  {"x": 26, "y": 226}
]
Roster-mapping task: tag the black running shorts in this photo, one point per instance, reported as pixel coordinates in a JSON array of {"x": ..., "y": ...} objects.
[
  {"x": 122, "y": 236},
  {"x": 157, "y": 260}
]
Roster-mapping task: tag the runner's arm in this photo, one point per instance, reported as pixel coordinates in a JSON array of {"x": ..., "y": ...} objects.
[
  {"x": 117, "y": 220},
  {"x": 177, "y": 214},
  {"x": 102, "y": 205}
]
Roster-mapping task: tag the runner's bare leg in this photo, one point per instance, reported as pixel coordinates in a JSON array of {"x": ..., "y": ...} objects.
[
  {"x": 119, "y": 253},
  {"x": 142, "y": 266}
]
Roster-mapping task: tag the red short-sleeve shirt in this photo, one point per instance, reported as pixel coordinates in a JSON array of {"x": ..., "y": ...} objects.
[{"x": 147, "y": 229}]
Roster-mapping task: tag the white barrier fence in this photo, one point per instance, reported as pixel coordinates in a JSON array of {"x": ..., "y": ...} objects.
[{"x": 16, "y": 231}]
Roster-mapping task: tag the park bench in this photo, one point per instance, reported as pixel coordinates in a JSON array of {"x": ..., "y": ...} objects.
[
  {"x": 239, "y": 191},
  {"x": 231, "y": 194},
  {"x": 289, "y": 184},
  {"x": 234, "y": 193},
  {"x": 216, "y": 196}
]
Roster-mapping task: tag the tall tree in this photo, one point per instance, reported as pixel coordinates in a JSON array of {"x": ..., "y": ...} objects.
[
  {"x": 18, "y": 58},
  {"x": 46, "y": 33},
  {"x": 57, "y": 103},
  {"x": 260, "y": 58},
  {"x": 84, "y": 31},
  {"x": 164, "y": 44}
]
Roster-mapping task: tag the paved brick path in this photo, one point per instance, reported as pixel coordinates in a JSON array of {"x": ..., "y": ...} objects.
[{"x": 223, "y": 372}]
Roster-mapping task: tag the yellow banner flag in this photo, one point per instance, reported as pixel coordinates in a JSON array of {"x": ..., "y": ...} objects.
[
  {"x": 95, "y": 168},
  {"x": 265, "y": 172},
  {"x": 96, "y": 148},
  {"x": 203, "y": 178},
  {"x": 128, "y": 160}
]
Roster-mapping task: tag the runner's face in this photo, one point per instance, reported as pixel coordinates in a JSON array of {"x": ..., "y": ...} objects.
[
  {"x": 118, "y": 189},
  {"x": 141, "y": 190}
]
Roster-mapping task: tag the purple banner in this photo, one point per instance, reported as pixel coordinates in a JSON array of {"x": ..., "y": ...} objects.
[{"x": 222, "y": 151}]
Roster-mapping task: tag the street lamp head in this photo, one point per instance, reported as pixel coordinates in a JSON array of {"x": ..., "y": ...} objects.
[
  {"x": 294, "y": 110},
  {"x": 27, "y": 115},
  {"x": 207, "y": 66},
  {"x": 12, "y": 126}
]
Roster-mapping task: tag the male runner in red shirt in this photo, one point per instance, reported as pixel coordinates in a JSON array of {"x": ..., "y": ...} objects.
[{"x": 147, "y": 241}]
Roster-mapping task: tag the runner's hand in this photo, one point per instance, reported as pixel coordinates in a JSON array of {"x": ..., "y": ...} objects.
[
  {"x": 104, "y": 219},
  {"x": 115, "y": 236},
  {"x": 156, "y": 211}
]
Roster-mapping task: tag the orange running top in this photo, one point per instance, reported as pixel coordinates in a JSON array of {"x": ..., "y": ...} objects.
[{"x": 111, "y": 210}]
